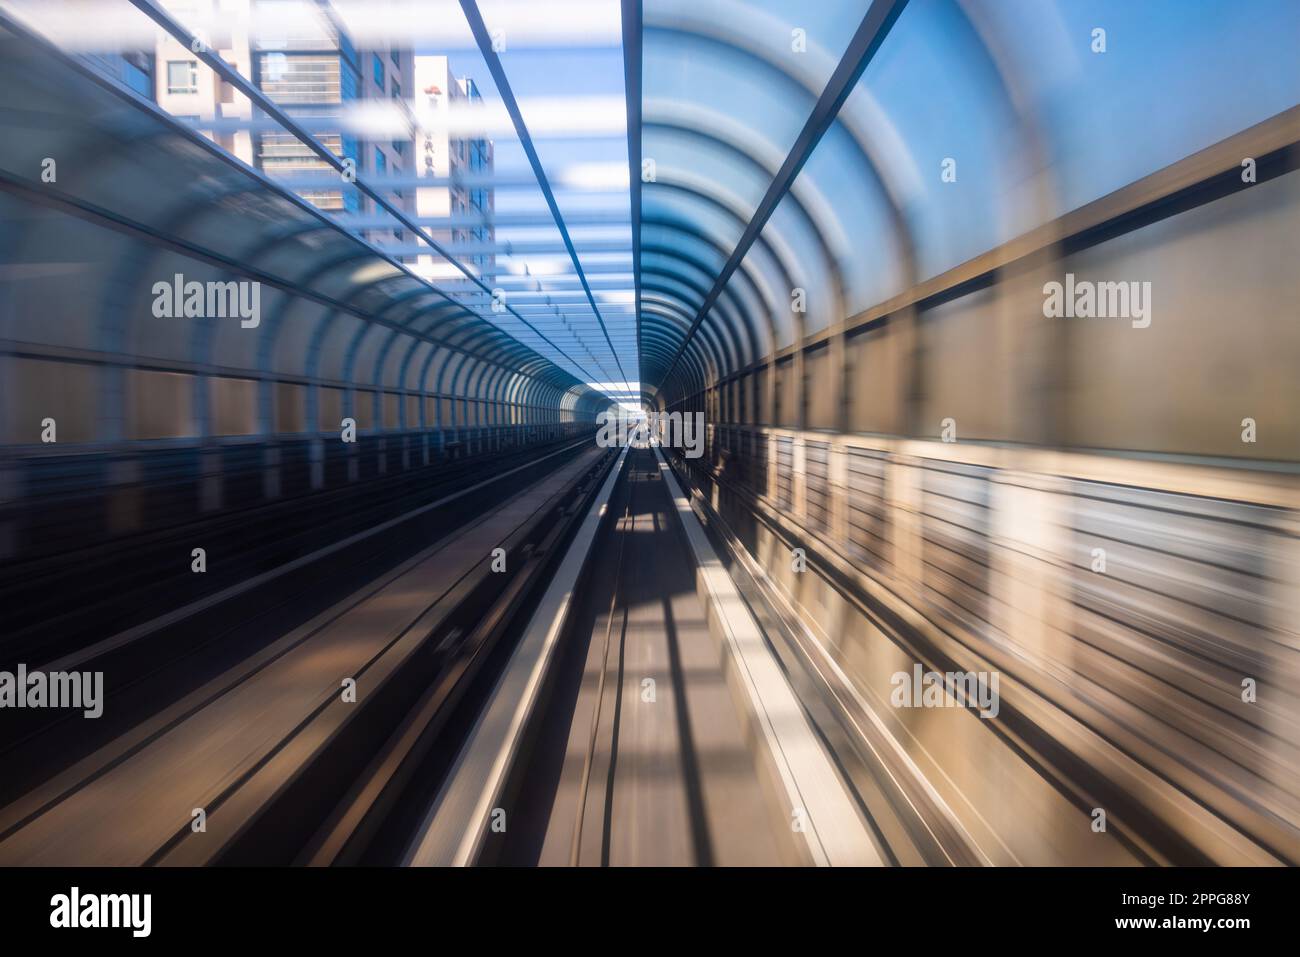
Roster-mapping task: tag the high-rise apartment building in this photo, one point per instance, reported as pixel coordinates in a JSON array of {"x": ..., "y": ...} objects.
[
  {"x": 312, "y": 70},
  {"x": 464, "y": 164}
]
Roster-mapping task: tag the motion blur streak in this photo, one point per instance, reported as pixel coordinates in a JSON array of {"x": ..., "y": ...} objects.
[{"x": 309, "y": 316}]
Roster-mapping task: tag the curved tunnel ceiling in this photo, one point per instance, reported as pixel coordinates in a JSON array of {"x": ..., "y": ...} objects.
[{"x": 958, "y": 128}]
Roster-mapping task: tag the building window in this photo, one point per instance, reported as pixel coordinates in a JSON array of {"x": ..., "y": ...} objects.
[
  {"x": 137, "y": 73},
  {"x": 305, "y": 78},
  {"x": 182, "y": 76},
  {"x": 399, "y": 147},
  {"x": 349, "y": 52},
  {"x": 379, "y": 69},
  {"x": 284, "y": 153},
  {"x": 381, "y": 161},
  {"x": 397, "y": 90},
  {"x": 397, "y": 61}
]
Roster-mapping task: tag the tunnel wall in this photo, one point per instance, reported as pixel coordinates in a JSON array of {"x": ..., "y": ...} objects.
[
  {"x": 119, "y": 420},
  {"x": 1093, "y": 528},
  {"x": 164, "y": 421},
  {"x": 1215, "y": 353},
  {"x": 76, "y": 284},
  {"x": 993, "y": 552}
]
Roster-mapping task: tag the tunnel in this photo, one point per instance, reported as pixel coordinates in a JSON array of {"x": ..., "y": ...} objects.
[{"x": 650, "y": 434}]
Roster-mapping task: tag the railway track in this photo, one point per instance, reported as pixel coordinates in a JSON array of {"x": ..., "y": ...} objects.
[
  {"x": 631, "y": 727},
  {"x": 248, "y": 766},
  {"x": 664, "y": 774}
]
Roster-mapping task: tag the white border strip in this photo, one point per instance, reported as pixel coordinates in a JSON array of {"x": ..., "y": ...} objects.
[
  {"x": 454, "y": 827},
  {"x": 833, "y": 829}
]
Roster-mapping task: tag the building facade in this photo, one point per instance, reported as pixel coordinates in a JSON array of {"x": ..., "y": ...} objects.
[
  {"x": 311, "y": 69},
  {"x": 465, "y": 165}
]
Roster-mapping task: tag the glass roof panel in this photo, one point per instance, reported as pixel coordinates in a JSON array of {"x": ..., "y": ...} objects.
[
  {"x": 172, "y": 184},
  {"x": 1174, "y": 79}
]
